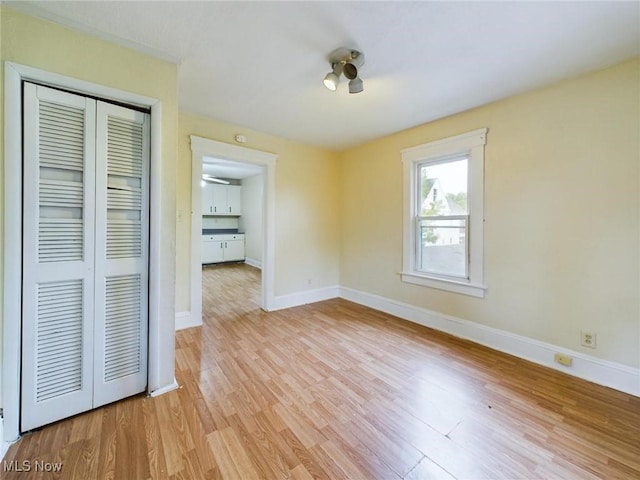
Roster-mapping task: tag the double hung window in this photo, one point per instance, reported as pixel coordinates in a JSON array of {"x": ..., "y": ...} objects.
[{"x": 443, "y": 224}]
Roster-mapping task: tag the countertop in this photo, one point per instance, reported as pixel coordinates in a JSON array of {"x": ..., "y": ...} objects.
[{"x": 220, "y": 231}]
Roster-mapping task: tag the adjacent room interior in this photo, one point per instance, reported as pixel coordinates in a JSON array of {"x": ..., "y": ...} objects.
[
  {"x": 232, "y": 225},
  {"x": 390, "y": 240}
]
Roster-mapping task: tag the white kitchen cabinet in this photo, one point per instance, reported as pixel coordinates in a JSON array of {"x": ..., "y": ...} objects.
[
  {"x": 222, "y": 248},
  {"x": 233, "y": 250},
  {"x": 212, "y": 251},
  {"x": 234, "y": 199},
  {"x": 207, "y": 199},
  {"x": 221, "y": 199}
]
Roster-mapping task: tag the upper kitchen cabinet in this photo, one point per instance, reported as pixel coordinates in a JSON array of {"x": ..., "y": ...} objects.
[
  {"x": 234, "y": 199},
  {"x": 221, "y": 199},
  {"x": 207, "y": 198}
]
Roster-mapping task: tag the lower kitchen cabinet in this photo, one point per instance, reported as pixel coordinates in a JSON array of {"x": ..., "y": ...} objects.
[
  {"x": 233, "y": 250},
  {"x": 212, "y": 251},
  {"x": 222, "y": 248}
]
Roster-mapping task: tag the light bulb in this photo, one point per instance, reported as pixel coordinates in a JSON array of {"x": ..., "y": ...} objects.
[{"x": 331, "y": 81}]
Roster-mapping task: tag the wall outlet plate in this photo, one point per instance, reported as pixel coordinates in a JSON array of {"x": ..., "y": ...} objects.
[
  {"x": 587, "y": 339},
  {"x": 563, "y": 359}
]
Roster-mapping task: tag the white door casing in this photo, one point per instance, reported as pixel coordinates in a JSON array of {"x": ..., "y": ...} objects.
[
  {"x": 161, "y": 348},
  {"x": 201, "y": 147}
]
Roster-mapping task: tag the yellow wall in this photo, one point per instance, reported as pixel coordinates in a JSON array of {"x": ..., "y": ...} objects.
[
  {"x": 306, "y": 203},
  {"x": 561, "y": 207},
  {"x": 47, "y": 46}
]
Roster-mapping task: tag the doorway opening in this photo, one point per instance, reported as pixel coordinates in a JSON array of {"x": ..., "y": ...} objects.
[
  {"x": 232, "y": 224},
  {"x": 254, "y": 169}
]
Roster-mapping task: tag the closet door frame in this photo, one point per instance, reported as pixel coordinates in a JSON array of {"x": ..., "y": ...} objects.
[{"x": 161, "y": 327}]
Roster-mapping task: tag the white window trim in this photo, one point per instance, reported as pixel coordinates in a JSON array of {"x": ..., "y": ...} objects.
[{"x": 471, "y": 144}]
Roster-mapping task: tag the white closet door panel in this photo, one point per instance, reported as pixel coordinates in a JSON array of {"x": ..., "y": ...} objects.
[
  {"x": 122, "y": 212},
  {"x": 51, "y": 272},
  {"x": 59, "y": 339},
  {"x": 123, "y": 335},
  {"x": 58, "y": 277},
  {"x": 124, "y": 239}
]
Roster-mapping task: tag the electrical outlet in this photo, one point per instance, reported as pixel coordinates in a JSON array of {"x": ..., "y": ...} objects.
[
  {"x": 588, "y": 339},
  {"x": 563, "y": 359}
]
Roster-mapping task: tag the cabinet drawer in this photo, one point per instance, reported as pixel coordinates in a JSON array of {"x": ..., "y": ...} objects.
[{"x": 223, "y": 237}]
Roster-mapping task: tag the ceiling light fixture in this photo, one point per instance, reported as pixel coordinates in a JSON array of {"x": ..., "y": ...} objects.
[
  {"x": 348, "y": 62},
  {"x": 332, "y": 78},
  {"x": 210, "y": 178}
]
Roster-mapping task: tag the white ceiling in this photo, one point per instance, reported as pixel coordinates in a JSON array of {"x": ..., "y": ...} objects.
[
  {"x": 228, "y": 168},
  {"x": 261, "y": 64}
]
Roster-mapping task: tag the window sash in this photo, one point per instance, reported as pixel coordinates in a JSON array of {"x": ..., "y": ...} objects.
[
  {"x": 432, "y": 163},
  {"x": 446, "y": 250}
]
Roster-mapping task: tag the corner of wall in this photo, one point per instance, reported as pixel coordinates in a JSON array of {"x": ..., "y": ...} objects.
[
  {"x": 304, "y": 297},
  {"x": 185, "y": 320},
  {"x": 253, "y": 262},
  {"x": 166, "y": 389}
]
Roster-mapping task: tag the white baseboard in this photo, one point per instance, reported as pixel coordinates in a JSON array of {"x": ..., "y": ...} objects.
[
  {"x": 184, "y": 320},
  {"x": 253, "y": 262},
  {"x": 4, "y": 446},
  {"x": 304, "y": 297},
  {"x": 603, "y": 372},
  {"x": 165, "y": 389}
]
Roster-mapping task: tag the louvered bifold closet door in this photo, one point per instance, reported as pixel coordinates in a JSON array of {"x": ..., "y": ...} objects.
[
  {"x": 58, "y": 255},
  {"x": 122, "y": 243}
]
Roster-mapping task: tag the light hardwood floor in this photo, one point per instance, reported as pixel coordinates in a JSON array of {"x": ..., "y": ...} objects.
[{"x": 334, "y": 390}]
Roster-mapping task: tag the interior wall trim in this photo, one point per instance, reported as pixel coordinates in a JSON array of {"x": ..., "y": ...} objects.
[
  {"x": 201, "y": 147},
  {"x": 166, "y": 389},
  {"x": 185, "y": 320},
  {"x": 603, "y": 372},
  {"x": 306, "y": 296},
  {"x": 4, "y": 446},
  {"x": 253, "y": 262}
]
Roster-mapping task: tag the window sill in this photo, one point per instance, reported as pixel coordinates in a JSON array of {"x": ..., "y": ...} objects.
[{"x": 444, "y": 284}]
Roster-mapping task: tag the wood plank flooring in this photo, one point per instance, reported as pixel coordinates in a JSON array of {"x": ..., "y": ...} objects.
[{"x": 334, "y": 390}]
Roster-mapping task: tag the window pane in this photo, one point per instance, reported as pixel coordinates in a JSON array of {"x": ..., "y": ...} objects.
[
  {"x": 443, "y": 188},
  {"x": 443, "y": 246}
]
